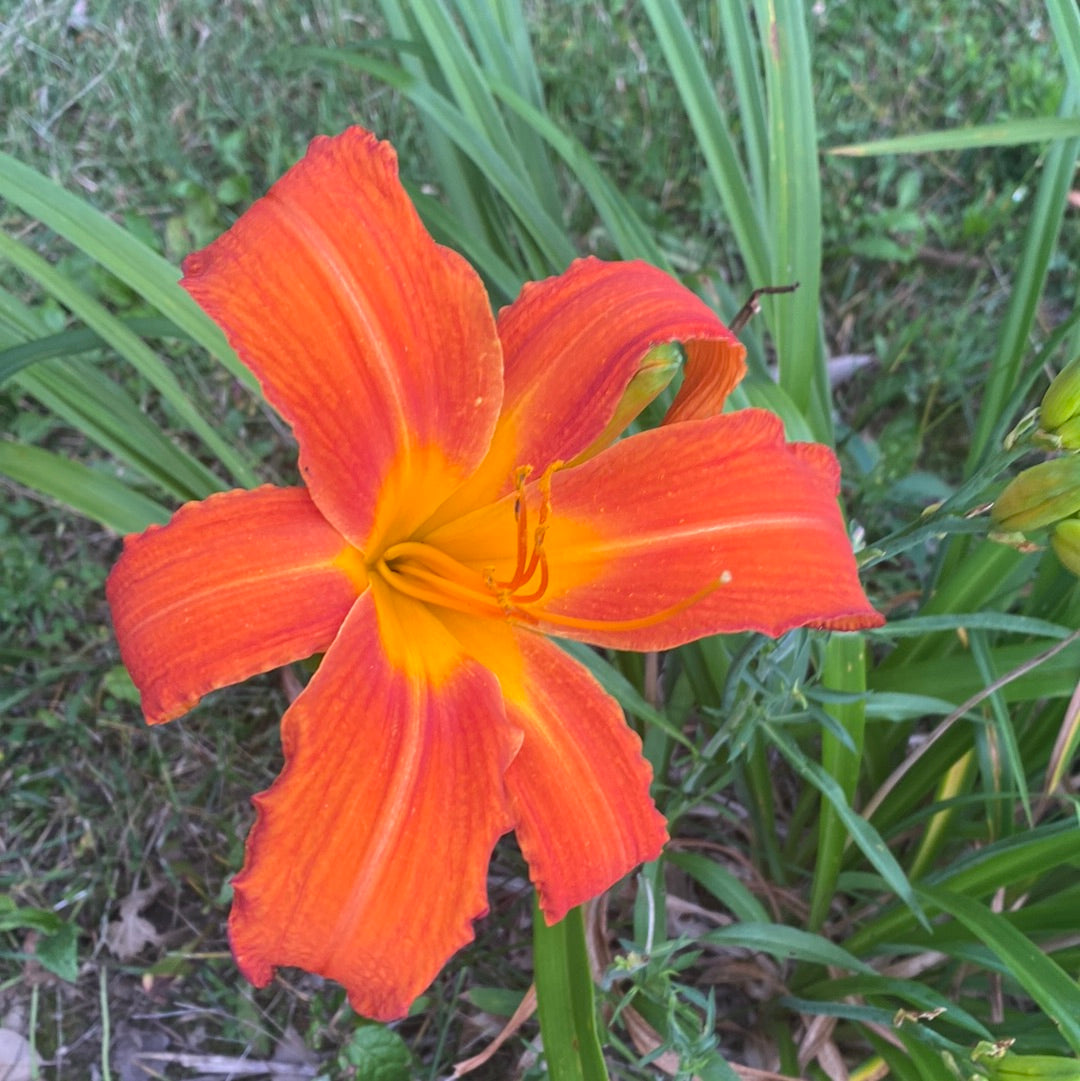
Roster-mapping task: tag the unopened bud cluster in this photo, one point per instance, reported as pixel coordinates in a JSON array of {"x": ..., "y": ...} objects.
[{"x": 1048, "y": 494}]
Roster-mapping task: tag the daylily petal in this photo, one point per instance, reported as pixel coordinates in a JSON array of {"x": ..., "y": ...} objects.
[
  {"x": 571, "y": 345},
  {"x": 573, "y": 342},
  {"x": 238, "y": 584},
  {"x": 579, "y": 786},
  {"x": 704, "y": 527},
  {"x": 712, "y": 370},
  {"x": 368, "y": 859},
  {"x": 374, "y": 343}
]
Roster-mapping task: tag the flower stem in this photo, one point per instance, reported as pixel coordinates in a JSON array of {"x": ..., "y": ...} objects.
[{"x": 564, "y": 997}]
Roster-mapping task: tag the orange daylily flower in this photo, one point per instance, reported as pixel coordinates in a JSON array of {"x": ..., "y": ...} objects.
[{"x": 456, "y": 510}]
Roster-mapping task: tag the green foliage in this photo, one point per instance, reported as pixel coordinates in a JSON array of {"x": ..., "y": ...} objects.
[
  {"x": 56, "y": 948},
  {"x": 868, "y": 830},
  {"x": 375, "y": 1053}
]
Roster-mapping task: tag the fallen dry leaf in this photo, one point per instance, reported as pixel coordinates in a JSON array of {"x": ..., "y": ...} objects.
[
  {"x": 126, "y": 937},
  {"x": 525, "y": 1010}
]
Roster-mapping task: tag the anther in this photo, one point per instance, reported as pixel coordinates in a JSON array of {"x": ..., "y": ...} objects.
[{"x": 521, "y": 518}]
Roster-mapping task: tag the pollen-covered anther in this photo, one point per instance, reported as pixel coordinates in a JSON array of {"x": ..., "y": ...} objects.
[
  {"x": 527, "y": 563},
  {"x": 517, "y": 605}
]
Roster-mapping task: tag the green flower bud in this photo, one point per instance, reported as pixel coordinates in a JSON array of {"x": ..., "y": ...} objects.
[
  {"x": 1012, "y": 1067},
  {"x": 1062, "y": 399},
  {"x": 1065, "y": 540},
  {"x": 658, "y": 367},
  {"x": 1068, "y": 434},
  {"x": 1040, "y": 496}
]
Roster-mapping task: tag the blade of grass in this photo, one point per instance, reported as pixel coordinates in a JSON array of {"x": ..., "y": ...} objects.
[
  {"x": 916, "y": 1061},
  {"x": 1065, "y": 21},
  {"x": 920, "y": 996},
  {"x": 464, "y": 80},
  {"x": 94, "y": 494},
  {"x": 457, "y": 177},
  {"x": 795, "y": 209},
  {"x": 627, "y": 231},
  {"x": 622, "y": 690},
  {"x": 861, "y": 832},
  {"x": 844, "y": 670},
  {"x": 97, "y": 407},
  {"x": 1065, "y": 748},
  {"x": 978, "y": 575},
  {"x": 1015, "y": 132},
  {"x": 757, "y": 781},
  {"x": 501, "y": 277},
  {"x": 969, "y": 621},
  {"x": 500, "y": 35},
  {"x": 78, "y": 340},
  {"x": 722, "y": 884},
  {"x": 1056, "y": 993},
  {"x": 1009, "y": 863},
  {"x": 439, "y": 59},
  {"x": 131, "y": 347},
  {"x": 468, "y": 86},
  {"x": 740, "y": 50},
  {"x": 1014, "y": 776},
  {"x": 955, "y": 781},
  {"x": 86, "y": 399},
  {"x": 956, "y": 677},
  {"x": 940, "y": 750},
  {"x": 1040, "y": 242},
  {"x": 713, "y": 135},
  {"x": 144, "y": 271},
  {"x": 787, "y": 943}
]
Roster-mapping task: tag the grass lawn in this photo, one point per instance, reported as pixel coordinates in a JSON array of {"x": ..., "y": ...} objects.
[{"x": 118, "y": 841}]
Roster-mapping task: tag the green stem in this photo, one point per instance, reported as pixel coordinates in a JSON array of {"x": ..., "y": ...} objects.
[
  {"x": 844, "y": 670},
  {"x": 564, "y": 999},
  {"x": 762, "y": 795}
]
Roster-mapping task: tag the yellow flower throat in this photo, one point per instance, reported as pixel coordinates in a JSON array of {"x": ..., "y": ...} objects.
[{"x": 426, "y": 573}]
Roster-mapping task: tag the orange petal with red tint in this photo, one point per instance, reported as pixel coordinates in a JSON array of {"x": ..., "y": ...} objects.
[
  {"x": 571, "y": 344},
  {"x": 699, "y": 528},
  {"x": 372, "y": 341},
  {"x": 368, "y": 859},
  {"x": 237, "y": 584},
  {"x": 710, "y": 374},
  {"x": 579, "y": 787}
]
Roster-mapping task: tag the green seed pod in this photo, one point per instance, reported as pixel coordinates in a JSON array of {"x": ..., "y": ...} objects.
[
  {"x": 1065, "y": 540},
  {"x": 1062, "y": 398},
  {"x": 1040, "y": 496}
]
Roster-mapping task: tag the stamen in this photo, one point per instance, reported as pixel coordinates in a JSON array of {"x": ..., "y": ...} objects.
[
  {"x": 581, "y": 623},
  {"x": 525, "y": 571},
  {"x": 541, "y": 589},
  {"x": 538, "y": 555},
  {"x": 521, "y": 517},
  {"x": 413, "y": 552},
  {"x": 429, "y": 575},
  {"x": 415, "y": 582}
]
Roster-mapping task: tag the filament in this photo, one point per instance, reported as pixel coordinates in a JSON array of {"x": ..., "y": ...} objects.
[{"x": 429, "y": 575}]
